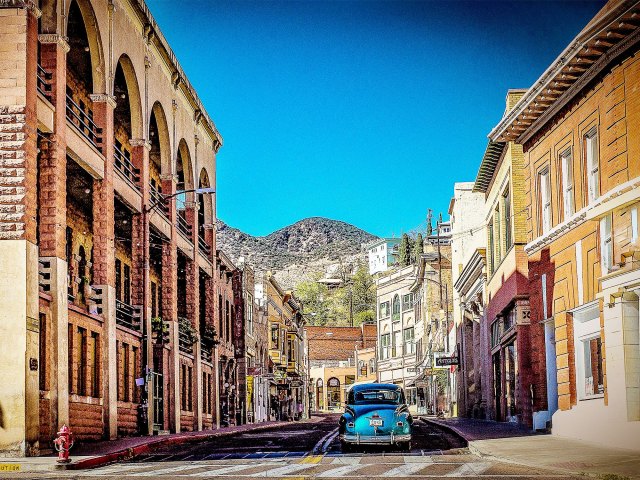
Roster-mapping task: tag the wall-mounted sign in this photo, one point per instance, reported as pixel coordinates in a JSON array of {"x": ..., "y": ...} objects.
[{"x": 447, "y": 361}]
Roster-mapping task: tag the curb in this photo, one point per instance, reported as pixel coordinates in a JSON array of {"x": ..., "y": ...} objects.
[
  {"x": 132, "y": 452},
  {"x": 451, "y": 429},
  {"x": 471, "y": 445}
]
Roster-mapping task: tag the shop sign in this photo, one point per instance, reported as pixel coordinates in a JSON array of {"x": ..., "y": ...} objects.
[{"x": 447, "y": 361}]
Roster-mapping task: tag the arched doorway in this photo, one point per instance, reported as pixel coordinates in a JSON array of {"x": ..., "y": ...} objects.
[{"x": 333, "y": 393}]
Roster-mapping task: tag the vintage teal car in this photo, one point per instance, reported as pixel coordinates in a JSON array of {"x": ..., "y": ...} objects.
[{"x": 375, "y": 414}]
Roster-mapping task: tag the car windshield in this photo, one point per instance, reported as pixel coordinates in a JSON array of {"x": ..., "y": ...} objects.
[{"x": 370, "y": 397}]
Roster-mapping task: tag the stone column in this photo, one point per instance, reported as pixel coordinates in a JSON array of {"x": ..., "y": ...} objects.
[
  {"x": 52, "y": 192},
  {"x": 18, "y": 251},
  {"x": 140, "y": 279},
  {"x": 104, "y": 261},
  {"x": 170, "y": 308}
]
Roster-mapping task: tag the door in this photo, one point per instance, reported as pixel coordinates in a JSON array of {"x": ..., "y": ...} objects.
[
  {"x": 158, "y": 404},
  {"x": 510, "y": 380},
  {"x": 497, "y": 386}
]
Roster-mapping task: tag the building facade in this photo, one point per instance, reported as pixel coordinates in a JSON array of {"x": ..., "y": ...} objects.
[
  {"x": 382, "y": 254},
  {"x": 101, "y": 254},
  {"x": 579, "y": 128},
  {"x": 288, "y": 391},
  {"x": 517, "y": 364},
  {"x": 338, "y": 357},
  {"x": 467, "y": 237}
]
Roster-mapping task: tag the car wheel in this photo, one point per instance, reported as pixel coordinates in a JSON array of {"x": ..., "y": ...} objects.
[{"x": 405, "y": 446}]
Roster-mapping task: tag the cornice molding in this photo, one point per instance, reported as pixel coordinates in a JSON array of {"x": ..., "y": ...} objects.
[
  {"x": 54, "y": 38},
  {"x": 140, "y": 142},
  {"x": 103, "y": 98}
]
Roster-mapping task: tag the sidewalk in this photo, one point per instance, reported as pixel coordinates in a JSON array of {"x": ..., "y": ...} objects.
[
  {"x": 95, "y": 454},
  {"x": 515, "y": 444}
]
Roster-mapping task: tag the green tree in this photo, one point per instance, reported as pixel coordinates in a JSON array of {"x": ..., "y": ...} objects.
[
  {"x": 418, "y": 248},
  {"x": 363, "y": 295},
  {"x": 404, "y": 251},
  {"x": 315, "y": 300}
]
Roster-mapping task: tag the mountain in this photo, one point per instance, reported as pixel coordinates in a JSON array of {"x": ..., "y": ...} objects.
[{"x": 295, "y": 252}]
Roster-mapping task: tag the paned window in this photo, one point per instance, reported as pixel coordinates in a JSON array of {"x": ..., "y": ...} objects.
[
  {"x": 384, "y": 309},
  {"x": 508, "y": 236},
  {"x": 384, "y": 346},
  {"x": 593, "y": 165},
  {"x": 566, "y": 163},
  {"x": 588, "y": 357},
  {"x": 606, "y": 244},
  {"x": 545, "y": 200},
  {"x": 396, "y": 309},
  {"x": 409, "y": 343},
  {"x": 407, "y": 301}
]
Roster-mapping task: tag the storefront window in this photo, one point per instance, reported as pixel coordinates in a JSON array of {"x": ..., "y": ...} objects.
[
  {"x": 588, "y": 352},
  {"x": 333, "y": 393}
]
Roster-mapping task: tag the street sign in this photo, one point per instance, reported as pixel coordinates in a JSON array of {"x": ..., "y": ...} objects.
[{"x": 447, "y": 361}]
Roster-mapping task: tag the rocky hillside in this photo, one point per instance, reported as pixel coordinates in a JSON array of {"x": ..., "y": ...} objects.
[{"x": 295, "y": 252}]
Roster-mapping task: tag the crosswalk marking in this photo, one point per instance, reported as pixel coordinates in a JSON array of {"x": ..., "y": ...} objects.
[
  {"x": 233, "y": 468},
  {"x": 286, "y": 470},
  {"x": 407, "y": 469},
  {"x": 341, "y": 471},
  {"x": 469, "y": 469},
  {"x": 162, "y": 471}
]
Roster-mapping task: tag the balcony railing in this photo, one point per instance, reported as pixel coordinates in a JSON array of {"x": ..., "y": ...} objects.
[
  {"x": 44, "y": 82},
  {"x": 205, "y": 352},
  {"x": 157, "y": 199},
  {"x": 184, "y": 343},
  {"x": 126, "y": 316},
  {"x": 183, "y": 226},
  {"x": 122, "y": 161},
  {"x": 83, "y": 121},
  {"x": 204, "y": 246}
]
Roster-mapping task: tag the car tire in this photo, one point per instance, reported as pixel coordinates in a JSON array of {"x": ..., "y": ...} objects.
[{"x": 405, "y": 446}]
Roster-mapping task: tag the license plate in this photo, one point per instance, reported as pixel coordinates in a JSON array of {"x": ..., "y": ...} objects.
[{"x": 375, "y": 422}]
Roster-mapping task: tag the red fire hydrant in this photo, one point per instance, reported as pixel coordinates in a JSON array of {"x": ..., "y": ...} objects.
[{"x": 63, "y": 444}]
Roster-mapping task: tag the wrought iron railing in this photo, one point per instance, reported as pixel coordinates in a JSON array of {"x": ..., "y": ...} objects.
[
  {"x": 206, "y": 353},
  {"x": 184, "y": 342},
  {"x": 44, "y": 82},
  {"x": 204, "y": 246},
  {"x": 156, "y": 198},
  {"x": 126, "y": 316},
  {"x": 183, "y": 226},
  {"x": 83, "y": 121},
  {"x": 122, "y": 161}
]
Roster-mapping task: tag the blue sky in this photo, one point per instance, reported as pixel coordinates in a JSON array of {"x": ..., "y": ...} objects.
[{"x": 364, "y": 111}]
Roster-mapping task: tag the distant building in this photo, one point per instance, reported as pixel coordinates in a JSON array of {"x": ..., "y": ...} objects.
[
  {"x": 382, "y": 254},
  {"x": 338, "y": 357}
]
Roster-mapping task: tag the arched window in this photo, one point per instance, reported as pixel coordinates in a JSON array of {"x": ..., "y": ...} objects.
[
  {"x": 319, "y": 395},
  {"x": 396, "y": 309},
  {"x": 362, "y": 367},
  {"x": 333, "y": 393}
]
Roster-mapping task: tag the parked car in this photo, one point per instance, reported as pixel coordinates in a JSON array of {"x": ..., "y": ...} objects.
[{"x": 375, "y": 414}]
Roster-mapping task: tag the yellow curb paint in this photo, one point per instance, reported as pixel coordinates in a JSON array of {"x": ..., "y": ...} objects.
[
  {"x": 9, "y": 467},
  {"x": 312, "y": 459}
]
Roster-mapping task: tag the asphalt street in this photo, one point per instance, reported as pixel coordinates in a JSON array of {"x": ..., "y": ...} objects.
[{"x": 312, "y": 450}]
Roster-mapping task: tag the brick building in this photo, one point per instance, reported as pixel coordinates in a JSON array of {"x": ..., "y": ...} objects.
[
  {"x": 338, "y": 357},
  {"x": 108, "y": 273},
  {"x": 579, "y": 127},
  {"x": 514, "y": 381}
]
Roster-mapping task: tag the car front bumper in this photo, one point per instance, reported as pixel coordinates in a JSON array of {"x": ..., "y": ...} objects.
[{"x": 375, "y": 439}]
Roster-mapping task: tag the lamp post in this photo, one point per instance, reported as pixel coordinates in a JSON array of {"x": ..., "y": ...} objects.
[{"x": 146, "y": 318}]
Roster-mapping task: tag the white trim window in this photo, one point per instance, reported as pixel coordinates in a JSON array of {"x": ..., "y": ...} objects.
[
  {"x": 566, "y": 163},
  {"x": 588, "y": 353},
  {"x": 385, "y": 339},
  {"x": 606, "y": 244},
  {"x": 545, "y": 200},
  {"x": 593, "y": 164},
  {"x": 634, "y": 225}
]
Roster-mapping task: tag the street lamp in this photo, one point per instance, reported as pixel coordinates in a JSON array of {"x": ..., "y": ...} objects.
[{"x": 146, "y": 318}]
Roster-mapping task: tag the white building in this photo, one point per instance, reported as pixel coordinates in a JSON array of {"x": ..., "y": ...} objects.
[
  {"x": 382, "y": 254},
  {"x": 396, "y": 330}
]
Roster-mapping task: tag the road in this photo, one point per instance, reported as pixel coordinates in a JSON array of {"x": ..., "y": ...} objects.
[{"x": 312, "y": 450}]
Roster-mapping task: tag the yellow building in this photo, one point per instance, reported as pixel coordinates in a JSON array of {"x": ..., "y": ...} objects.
[{"x": 286, "y": 351}]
